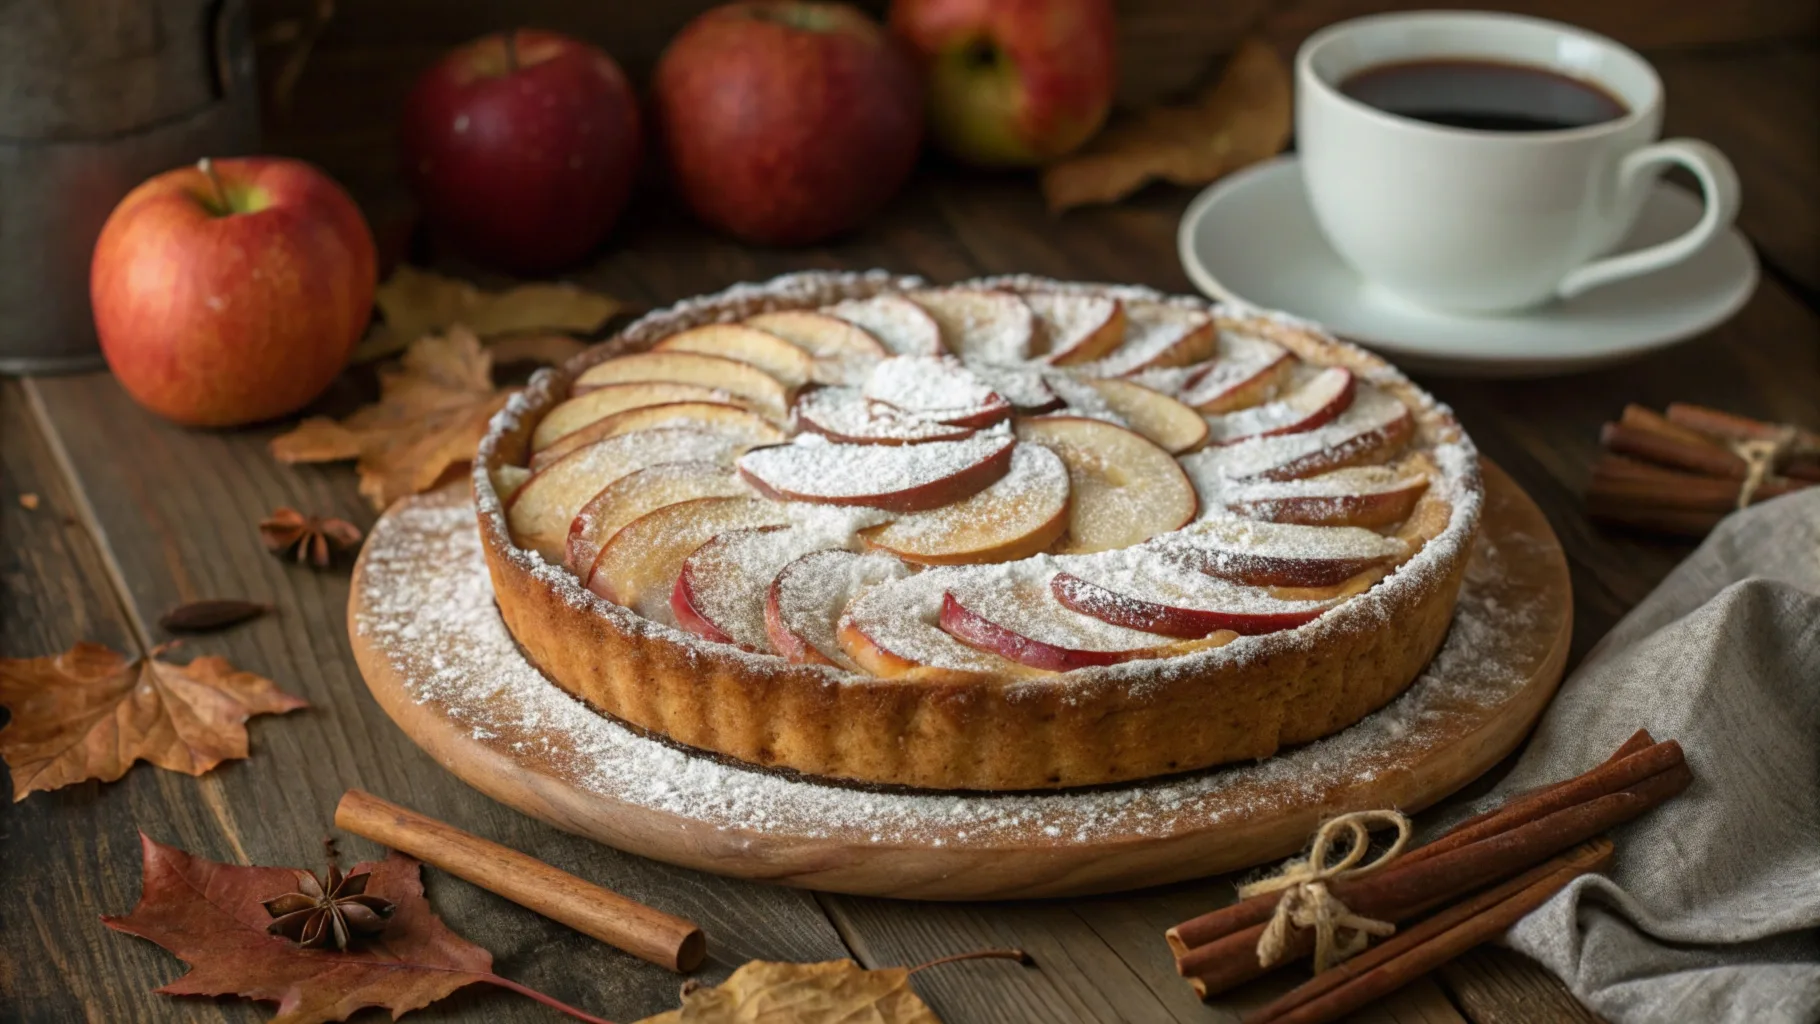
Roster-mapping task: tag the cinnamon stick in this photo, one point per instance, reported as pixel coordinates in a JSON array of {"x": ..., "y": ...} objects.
[
  {"x": 1618, "y": 480},
  {"x": 1705, "y": 457},
  {"x": 1649, "y": 420},
  {"x": 1645, "y": 516},
  {"x": 1403, "y": 890},
  {"x": 1412, "y": 953},
  {"x": 1803, "y": 463},
  {"x": 644, "y": 932},
  {"x": 1639, "y": 741},
  {"x": 1224, "y": 921}
]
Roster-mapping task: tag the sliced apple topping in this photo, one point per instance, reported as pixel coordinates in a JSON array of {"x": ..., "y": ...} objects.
[
  {"x": 1244, "y": 372},
  {"x": 937, "y": 388},
  {"x": 1139, "y": 590},
  {"x": 902, "y": 326},
  {"x": 1280, "y": 554},
  {"x": 1320, "y": 397},
  {"x": 1022, "y": 386},
  {"x": 843, "y": 352},
  {"x": 770, "y": 353},
  {"x": 711, "y": 417},
  {"x": 638, "y": 567},
  {"x": 1074, "y": 329},
  {"x": 979, "y": 323},
  {"x": 844, "y": 414},
  {"x": 1370, "y": 430},
  {"x": 1123, "y": 489},
  {"x": 1159, "y": 334},
  {"x": 575, "y": 413},
  {"x": 540, "y": 512},
  {"x": 1016, "y": 616},
  {"x": 745, "y": 382},
  {"x": 1367, "y": 496},
  {"x": 635, "y": 494},
  {"x": 1167, "y": 423},
  {"x": 899, "y": 478},
  {"x": 720, "y": 592},
  {"x": 1021, "y": 514},
  {"x": 804, "y": 602},
  {"x": 891, "y": 630}
]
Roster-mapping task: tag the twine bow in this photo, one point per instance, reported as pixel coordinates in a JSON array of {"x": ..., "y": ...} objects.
[
  {"x": 1760, "y": 457},
  {"x": 1338, "y": 932}
]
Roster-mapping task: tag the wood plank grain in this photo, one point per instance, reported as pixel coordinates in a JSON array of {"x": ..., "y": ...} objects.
[
  {"x": 1498, "y": 986},
  {"x": 179, "y": 517}
]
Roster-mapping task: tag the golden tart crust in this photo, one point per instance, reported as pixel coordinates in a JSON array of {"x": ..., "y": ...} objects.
[{"x": 950, "y": 729}]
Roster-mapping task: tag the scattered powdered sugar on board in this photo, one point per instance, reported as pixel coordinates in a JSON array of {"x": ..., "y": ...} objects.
[{"x": 425, "y": 604}]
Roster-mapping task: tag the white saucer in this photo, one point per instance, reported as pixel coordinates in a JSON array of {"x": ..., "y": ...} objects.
[{"x": 1252, "y": 239}]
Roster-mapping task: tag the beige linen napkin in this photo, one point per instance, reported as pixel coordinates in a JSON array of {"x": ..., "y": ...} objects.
[{"x": 1711, "y": 911}]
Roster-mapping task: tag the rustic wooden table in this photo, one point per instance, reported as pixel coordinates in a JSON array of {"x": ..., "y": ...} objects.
[{"x": 136, "y": 516}]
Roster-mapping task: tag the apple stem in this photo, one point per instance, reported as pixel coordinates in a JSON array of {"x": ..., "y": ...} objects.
[
  {"x": 511, "y": 41},
  {"x": 207, "y": 167}
]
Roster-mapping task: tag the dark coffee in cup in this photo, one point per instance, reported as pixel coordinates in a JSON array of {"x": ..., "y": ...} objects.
[{"x": 1483, "y": 95}]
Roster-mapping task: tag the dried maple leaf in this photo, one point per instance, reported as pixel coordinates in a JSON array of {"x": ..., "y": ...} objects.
[
  {"x": 212, "y": 917},
  {"x": 432, "y": 412},
  {"x": 831, "y": 992},
  {"x": 89, "y": 713},
  {"x": 416, "y": 302},
  {"x": 1243, "y": 118}
]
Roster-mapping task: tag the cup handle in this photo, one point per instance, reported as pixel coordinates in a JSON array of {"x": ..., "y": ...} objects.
[{"x": 1719, "y": 184}]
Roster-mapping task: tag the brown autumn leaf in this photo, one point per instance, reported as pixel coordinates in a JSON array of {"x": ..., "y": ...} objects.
[
  {"x": 432, "y": 412},
  {"x": 1243, "y": 118},
  {"x": 211, "y": 916},
  {"x": 414, "y": 302},
  {"x": 89, "y": 713}
]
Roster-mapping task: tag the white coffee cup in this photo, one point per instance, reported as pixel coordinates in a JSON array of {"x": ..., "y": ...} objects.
[{"x": 1490, "y": 221}]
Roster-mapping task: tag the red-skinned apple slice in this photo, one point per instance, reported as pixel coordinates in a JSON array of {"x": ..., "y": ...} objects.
[
  {"x": 804, "y": 602},
  {"x": 898, "y": 478},
  {"x": 1369, "y": 431},
  {"x": 980, "y": 323},
  {"x": 1280, "y": 554},
  {"x": 748, "y": 428},
  {"x": 1020, "y": 620},
  {"x": 843, "y": 352},
  {"x": 1149, "y": 594},
  {"x": 1159, "y": 335},
  {"x": 1244, "y": 372},
  {"x": 1023, "y": 513},
  {"x": 1123, "y": 489},
  {"x": 1366, "y": 496},
  {"x": 1169, "y": 424},
  {"x": 746, "y": 383},
  {"x": 638, "y": 567},
  {"x": 892, "y": 630},
  {"x": 902, "y": 326},
  {"x": 540, "y": 512},
  {"x": 844, "y": 414},
  {"x": 1320, "y": 398},
  {"x": 936, "y": 388},
  {"x": 790, "y": 365},
  {"x": 635, "y": 494},
  {"x": 575, "y": 413},
  {"x": 720, "y": 592},
  {"x": 1022, "y": 386},
  {"x": 1074, "y": 329}
]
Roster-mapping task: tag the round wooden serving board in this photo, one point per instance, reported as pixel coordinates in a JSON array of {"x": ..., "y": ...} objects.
[{"x": 439, "y": 660}]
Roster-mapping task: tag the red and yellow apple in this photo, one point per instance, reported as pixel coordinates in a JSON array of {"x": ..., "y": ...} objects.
[
  {"x": 233, "y": 291},
  {"x": 1012, "y": 82},
  {"x": 787, "y": 122},
  {"x": 523, "y": 148}
]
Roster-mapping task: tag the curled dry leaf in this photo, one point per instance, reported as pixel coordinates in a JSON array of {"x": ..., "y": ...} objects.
[
  {"x": 831, "y": 992},
  {"x": 1243, "y": 118},
  {"x": 89, "y": 713},
  {"x": 432, "y": 412},
  {"x": 213, "y": 917},
  {"x": 414, "y": 302}
]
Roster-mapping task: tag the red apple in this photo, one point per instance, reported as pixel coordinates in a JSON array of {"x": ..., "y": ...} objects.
[
  {"x": 233, "y": 291},
  {"x": 1012, "y": 82},
  {"x": 523, "y": 146},
  {"x": 787, "y": 122}
]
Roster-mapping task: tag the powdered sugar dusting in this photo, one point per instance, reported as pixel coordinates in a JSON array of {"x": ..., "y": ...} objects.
[{"x": 901, "y": 325}]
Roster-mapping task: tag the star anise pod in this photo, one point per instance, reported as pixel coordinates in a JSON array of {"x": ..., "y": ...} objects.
[
  {"x": 312, "y": 539},
  {"x": 318, "y": 915}
]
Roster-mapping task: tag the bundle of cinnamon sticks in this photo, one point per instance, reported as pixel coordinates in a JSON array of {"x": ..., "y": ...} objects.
[
  {"x": 1682, "y": 471},
  {"x": 1475, "y": 881}
]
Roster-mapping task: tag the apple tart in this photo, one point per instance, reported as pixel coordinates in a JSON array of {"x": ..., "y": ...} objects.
[{"x": 1007, "y": 534}]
